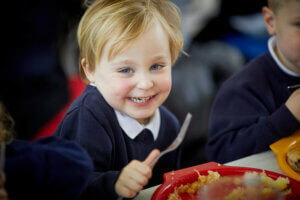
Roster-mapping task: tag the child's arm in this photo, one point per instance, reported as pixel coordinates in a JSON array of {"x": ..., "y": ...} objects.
[
  {"x": 246, "y": 121},
  {"x": 135, "y": 176},
  {"x": 82, "y": 125},
  {"x": 48, "y": 168},
  {"x": 293, "y": 104}
]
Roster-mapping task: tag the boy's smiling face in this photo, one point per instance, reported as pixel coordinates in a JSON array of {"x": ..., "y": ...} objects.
[
  {"x": 285, "y": 24},
  {"x": 138, "y": 79}
]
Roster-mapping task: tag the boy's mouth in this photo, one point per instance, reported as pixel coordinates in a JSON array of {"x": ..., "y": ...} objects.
[{"x": 140, "y": 99}]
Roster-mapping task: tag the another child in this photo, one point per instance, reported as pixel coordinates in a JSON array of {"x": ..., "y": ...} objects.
[
  {"x": 127, "y": 49},
  {"x": 48, "y": 168},
  {"x": 261, "y": 103}
]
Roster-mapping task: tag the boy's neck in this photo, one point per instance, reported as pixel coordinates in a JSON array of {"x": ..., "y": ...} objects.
[
  {"x": 144, "y": 121},
  {"x": 285, "y": 64},
  {"x": 273, "y": 51}
]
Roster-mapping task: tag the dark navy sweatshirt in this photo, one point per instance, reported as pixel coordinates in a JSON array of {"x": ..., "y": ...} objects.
[
  {"x": 92, "y": 122},
  {"x": 49, "y": 168},
  {"x": 249, "y": 111}
]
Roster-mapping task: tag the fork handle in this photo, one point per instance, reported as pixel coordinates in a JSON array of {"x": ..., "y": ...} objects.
[{"x": 158, "y": 157}]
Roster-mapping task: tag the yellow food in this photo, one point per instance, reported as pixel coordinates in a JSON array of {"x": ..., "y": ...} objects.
[
  {"x": 192, "y": 188},
  {"x": 280, "y": 184},
  {"x": 293, "y": 158}
]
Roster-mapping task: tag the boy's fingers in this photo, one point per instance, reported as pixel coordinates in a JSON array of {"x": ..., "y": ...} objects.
[
  {"x": 133, "y": 185},
  {"x": 151, "y": 156},
  {"x": 139, "y": 176},
  {"x": 127, "y": 192}
]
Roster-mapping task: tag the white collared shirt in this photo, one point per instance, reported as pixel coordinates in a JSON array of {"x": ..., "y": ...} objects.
[
  {"x": 271, "y": 46},
  {"x": 132, "y": 128}
]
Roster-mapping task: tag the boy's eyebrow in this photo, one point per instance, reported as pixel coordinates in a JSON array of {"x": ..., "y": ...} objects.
[
  {"x": 160, "y": 57},
  {"x": 130, "y": 62},
  {"x": 123, "y": 61}
]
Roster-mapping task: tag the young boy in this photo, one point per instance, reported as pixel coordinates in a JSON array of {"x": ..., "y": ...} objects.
[
  {"x": 127, "y": 48},
  {"x": 261, "y": 103}
]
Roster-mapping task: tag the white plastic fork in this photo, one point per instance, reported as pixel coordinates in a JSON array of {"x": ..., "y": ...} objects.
[
  {"x": 177, "y": 141},
  {"x": 293, "y": 86}
]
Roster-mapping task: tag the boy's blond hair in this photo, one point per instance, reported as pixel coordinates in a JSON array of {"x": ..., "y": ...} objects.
[
  {"x": 275, "y": 5},
  {"x": 124, "y": 21}
]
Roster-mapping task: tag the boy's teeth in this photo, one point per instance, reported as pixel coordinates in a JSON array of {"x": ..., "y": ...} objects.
[{"x": 139, "y": 99}]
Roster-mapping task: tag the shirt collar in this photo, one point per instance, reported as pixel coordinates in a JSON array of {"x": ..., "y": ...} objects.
[
  {"x": 271, "y": 46},
  {"x": 132, "y": 127}
]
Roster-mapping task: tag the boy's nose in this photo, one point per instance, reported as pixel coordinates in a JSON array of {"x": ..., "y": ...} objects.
[{"x": 145, "y": 83}]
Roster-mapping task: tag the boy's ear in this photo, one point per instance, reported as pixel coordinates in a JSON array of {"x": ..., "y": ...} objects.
[
  {"x": 269, "y": 19},
  {"x": 89, "y": 73}
]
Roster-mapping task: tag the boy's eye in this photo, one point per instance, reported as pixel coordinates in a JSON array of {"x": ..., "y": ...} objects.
[
  {"x": 156, "y": 67},
  {"x": 126, "y": 71},
  {"x": 297, "y": 24}
]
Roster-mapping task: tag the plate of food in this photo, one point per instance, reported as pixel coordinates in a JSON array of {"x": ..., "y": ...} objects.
[
  {"x": 287, "y": 151},
  {"x": 184, "y": 184}
]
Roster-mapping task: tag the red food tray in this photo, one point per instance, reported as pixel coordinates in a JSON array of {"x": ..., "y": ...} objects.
[{"x": 188, "y": 175}]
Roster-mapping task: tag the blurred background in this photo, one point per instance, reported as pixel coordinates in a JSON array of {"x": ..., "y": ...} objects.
[{"x": 39, "y": 77}]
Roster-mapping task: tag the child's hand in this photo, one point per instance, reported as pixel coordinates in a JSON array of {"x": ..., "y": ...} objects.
[
  {"x": 293, "y": 104},
  {"x": 135, "y": 176}
]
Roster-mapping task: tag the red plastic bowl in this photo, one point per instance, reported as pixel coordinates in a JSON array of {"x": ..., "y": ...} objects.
[{"x": 188, "y": 175}]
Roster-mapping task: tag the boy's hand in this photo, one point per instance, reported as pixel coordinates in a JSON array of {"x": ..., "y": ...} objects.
[
  {"x": 293, "y": 104},
  {"x": 135, "y": 176}
]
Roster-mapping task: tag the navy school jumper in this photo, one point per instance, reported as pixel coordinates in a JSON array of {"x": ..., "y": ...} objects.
[
  {"x": 47, "y": 169},
  {"x": 92, "y": 123},
  {"x": 249, "y": 111}
]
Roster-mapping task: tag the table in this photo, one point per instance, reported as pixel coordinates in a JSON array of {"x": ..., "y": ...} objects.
[{"x": 266, "y": 160}]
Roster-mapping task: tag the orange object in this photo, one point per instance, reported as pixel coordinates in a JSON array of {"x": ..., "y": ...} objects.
[{"x": 281, "y": 147}]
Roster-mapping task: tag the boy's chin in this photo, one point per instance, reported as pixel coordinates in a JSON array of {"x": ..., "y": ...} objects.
[{"x": 142, "y": 117}]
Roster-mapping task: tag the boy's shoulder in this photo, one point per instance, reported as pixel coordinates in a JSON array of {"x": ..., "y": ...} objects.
[
  {"x": 167, "y": 117},
  {"x": 91, "y": 100},
  {"x": 166, "y": 113},
  {"x": 255, "y": 71}
]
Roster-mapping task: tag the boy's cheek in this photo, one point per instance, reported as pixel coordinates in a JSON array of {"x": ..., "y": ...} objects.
[
  {"x": 122, "y": 87},
  {"x": 166, "y": 83}
]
